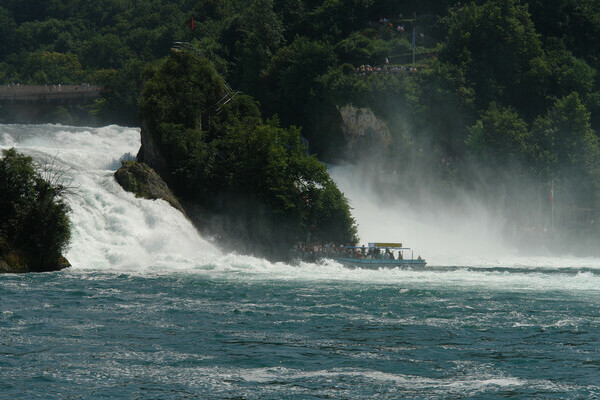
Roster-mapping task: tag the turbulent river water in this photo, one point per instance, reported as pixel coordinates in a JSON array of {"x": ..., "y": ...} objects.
[{"x": 152, "y": 310}]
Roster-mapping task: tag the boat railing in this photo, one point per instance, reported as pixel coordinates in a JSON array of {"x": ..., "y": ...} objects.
[
  {"x": 380, "y": 261},
  {"x": 353, "y": 253}
]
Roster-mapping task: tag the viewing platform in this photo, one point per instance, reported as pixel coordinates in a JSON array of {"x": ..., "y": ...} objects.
[{"x": 78, "y": 94}]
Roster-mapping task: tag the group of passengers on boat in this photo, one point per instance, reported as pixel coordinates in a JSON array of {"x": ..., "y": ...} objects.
[{"x": 316, "y": 251}]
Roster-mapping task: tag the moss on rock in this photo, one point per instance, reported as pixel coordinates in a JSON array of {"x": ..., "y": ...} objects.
[
  {"x": 13, "y": 262},
  {"x": 16, "y": 261},
  {"x": 143, "y": 181}
]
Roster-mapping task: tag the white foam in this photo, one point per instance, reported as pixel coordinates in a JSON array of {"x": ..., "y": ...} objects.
[{"x": 475, "y": 382}]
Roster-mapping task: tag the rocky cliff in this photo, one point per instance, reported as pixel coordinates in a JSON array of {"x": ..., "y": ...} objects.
[
  {"x": 363, "y": 131},
  {"x": 143, "y": 181},
  {"x": 15, "y": 261}
]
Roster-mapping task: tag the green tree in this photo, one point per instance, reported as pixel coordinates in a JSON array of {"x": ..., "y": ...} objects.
[
  {"x": 105, "y": 51},
  {"x": 258, "y": 32},
  {"x": 497, "y": 46},
  {"x": 338, "y": 18},
  {"x": 214, "y": 9},
  {"x": 41, "y": 67},
  {"x": 121, "y": 92},
  {"x": 291, "y": 78},
  {"x": 193, "y": 88},
  {"x": 500, "y": 138},
  {"x": 569, "y": 150},
  {"x": 26, "y": 10},
  {"x": 294, "y": 15},
  {"x": 8, "y": 28},
  {"x": 357, "y": 49},
  {"x": 580, "y": 28},
  {"x": 33, "y": 217},
  {"x": 575, "y": 75}
]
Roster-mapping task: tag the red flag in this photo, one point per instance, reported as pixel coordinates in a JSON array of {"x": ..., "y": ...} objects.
[{"x": 192, "y": 26}]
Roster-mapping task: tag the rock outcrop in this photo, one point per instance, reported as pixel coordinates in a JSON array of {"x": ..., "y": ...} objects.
[
  {"x": 362, "y": 130},
  {"x": 12, "y": 263},
  {"x": 143, "y": 181},
  {"x": 15, "y": 262},
  {"x": 150, "y": 154}
]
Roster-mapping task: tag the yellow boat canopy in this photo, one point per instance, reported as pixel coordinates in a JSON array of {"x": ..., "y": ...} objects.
[{"x": 385, "y": 245}]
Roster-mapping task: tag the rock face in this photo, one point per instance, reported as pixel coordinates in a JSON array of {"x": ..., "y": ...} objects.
[
  {"x": 143, "y": 181},
  {"x": 15, "y": 262},
  {"x": 363, "y": 130},
  {"x": 11, "y": 263},
  {"x": 150, "y": 154}
]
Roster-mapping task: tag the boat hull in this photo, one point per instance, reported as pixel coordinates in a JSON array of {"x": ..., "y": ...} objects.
[{"x": 377, "y": 264}]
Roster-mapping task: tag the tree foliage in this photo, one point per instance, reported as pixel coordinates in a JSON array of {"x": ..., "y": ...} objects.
[
  {"x": 498, "y": 47},
  {"x": 570, "y": 149},
  {"x": 500, "y": 137},
  {"x": 231, "y": 162},
  {"x": 33, "y": 217}
]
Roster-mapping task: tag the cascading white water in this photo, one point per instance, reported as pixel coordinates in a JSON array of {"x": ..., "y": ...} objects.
[
  {"x": 110, "y": 227},
  {"x": 114, "y": 231}
]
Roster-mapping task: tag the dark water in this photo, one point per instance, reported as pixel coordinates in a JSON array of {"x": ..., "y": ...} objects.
[{"x": 89, "y": 335}]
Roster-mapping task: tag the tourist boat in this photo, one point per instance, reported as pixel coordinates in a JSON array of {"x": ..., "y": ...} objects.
[
  {"x": 380, "y": 255},
  {"x": 374, "y": 256}
]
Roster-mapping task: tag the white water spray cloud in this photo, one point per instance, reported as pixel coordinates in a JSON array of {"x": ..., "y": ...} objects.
[{"x": 463, "y": 232}]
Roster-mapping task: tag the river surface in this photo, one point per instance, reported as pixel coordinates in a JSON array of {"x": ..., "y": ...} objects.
[{"x": 151, "y": 310}]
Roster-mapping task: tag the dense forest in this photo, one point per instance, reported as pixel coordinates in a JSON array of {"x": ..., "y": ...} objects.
[{"x": 499, "y": 97}]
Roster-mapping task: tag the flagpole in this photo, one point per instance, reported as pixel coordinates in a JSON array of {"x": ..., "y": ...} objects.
[
  {"x": 552, "y": 205},
  {"x": 413, "y": 44}
]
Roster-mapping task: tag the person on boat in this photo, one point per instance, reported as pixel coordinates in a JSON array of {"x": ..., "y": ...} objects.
[
  {"x": 419, "y": 258},
  {"x": 388, "y": 255}
]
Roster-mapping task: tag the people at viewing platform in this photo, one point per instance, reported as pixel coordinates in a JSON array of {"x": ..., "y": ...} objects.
[{"x": 366, "y": 69}]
